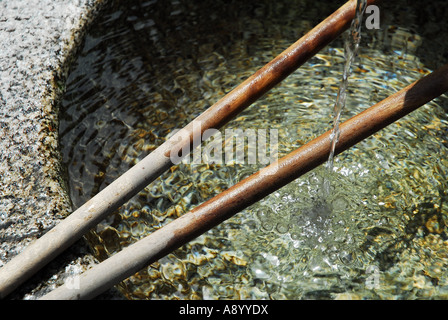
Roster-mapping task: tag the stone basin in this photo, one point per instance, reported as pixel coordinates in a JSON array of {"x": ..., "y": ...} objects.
[{"x": 40, "y": 42}]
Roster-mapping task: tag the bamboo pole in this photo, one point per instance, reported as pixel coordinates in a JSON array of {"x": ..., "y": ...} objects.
[
  {"x": 252, "y": 189},
  {"x": 68, "y": 231}
]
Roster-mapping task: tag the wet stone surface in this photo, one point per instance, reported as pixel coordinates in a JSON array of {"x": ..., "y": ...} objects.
[{"x": 38, "y": 41}]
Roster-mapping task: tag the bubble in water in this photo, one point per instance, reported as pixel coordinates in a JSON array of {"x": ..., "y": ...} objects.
[
  {"x": 282, "y": 227},
  {"x": 267, "y": 225},
  {"x": 339, "y": 204}
]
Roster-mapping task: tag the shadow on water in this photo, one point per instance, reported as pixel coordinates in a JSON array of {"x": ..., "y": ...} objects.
[{"x": 427, "y": 218}]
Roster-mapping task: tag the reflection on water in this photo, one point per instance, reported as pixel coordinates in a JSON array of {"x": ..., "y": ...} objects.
[{"x": 148, "y": 67}]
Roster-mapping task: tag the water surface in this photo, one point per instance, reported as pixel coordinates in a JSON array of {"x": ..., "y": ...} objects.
[{"x": 149, "y": 67}]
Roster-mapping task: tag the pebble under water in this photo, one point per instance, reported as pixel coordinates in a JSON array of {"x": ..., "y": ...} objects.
[{"x": 149, "y": 67}]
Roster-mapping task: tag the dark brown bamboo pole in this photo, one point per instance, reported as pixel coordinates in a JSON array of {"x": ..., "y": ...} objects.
[
  {"x": 252, "y": 189},
  {"x": 46, "y": 248}
]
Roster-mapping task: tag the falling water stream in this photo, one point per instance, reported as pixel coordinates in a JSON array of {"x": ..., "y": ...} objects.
[
  {"x": 314, "y": 219},
  {"x": 149, "y": 67},
  {"x": 351, "y": 46}
]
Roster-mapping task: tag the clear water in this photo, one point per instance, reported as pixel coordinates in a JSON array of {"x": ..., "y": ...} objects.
[
  {"x": 351, "y": 46},
  {"x": 148, "y": 67}
]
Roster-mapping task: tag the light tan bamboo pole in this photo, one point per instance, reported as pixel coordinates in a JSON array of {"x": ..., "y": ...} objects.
[
  {"x": 46, "y": 248},
  {"x": 252, "y": 189}
]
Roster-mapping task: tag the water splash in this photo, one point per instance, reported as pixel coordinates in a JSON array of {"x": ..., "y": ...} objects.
[
  {"x": 316, "y": 220},
  {"x": 351, "y": 45}
]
